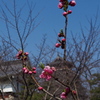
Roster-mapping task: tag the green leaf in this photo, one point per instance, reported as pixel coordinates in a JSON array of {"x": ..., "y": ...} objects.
[
  {"x": 61, "y": 31},
  {"x": 41, "y": 65}
]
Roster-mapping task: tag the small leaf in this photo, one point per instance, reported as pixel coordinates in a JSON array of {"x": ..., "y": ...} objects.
[
  {"x": 41, "y": 65},
  {"x": 61, "y": 31}
]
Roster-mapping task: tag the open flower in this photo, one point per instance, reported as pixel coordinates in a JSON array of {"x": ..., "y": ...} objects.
[{"x": 47, "y": 73}]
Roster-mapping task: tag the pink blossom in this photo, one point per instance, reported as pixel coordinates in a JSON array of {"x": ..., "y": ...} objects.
[
  {"x": 20, "y": 52},
  {"x": 72, "y": 3},
  {"x": 63, "y": 95},
  {"x": 30, "y": 72},
  {"x": 74, "y": 92},
  {"x": 60, "y": 5},
  {"x": 17, "y": 56},
  {"x": 53, "y": 68},
  {"x": 64, "y": 40},
  {"x": 34, "y": 72},
  {"x": 26, "y": 71},
  {"x": 40, "y": 88},
  {"x": 21, "y": 55},
  {"x": 26, "y": 53},
  {"x": 65, "y": 13},
  {"x": 57, "y": 45},
  {"x": 24, "y": 68},
  {"x": 67, "y": 90},
  {"x": 47, "y": 73},
  {"x": 34, "y": 68},
  {"x": 60, "y": 34},
  {"x": 69, "y": 11}
]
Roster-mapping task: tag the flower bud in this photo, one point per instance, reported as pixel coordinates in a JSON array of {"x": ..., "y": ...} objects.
[
  {"x": 30, "y": 72},
  {"x": 20, "y": 52},
  {"x": 26, "y": 53},
  {"x": 57, "y": 45},
  {"x": 60, "y": 5},
  {"x": 63, "y": 40},
  {"x": 26, "y": 71},
  {"x": 65, "y": 13},
  {"x": 74, "y": 92},
  {"x": 72, "y": 3},
  {"x": 63, "y": 95},
  {"x": 34, "y": 68},
  {"x": 40, "y": 88},
  {"x": 24, "y": 68},
  {"x": 67, "y": 90},
  {"x": 69, "y": 11},
  {"x": 34, "y": 72}
]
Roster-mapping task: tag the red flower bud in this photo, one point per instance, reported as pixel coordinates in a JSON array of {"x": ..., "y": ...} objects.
[
  {"x": 34, "y": 72},
  {"x": 60, "y": 34},
  {"x": 26, "y": 71},
  {"x": 72, "y": 3},
  {"x": 60, "y": 5},
  {"x": 34, "y": 68},
  {"x": 58, "y": 45},
  {"x": 67, "y": 90},
  {"x": 69, "y": 11},
  {"x": 63, "y": 40},
  {"x": 26, "y": 53},
  {"x": 30, "y": 72},
  {"x": 74, "y": 92},
  {"x": 65, "y": 13},
  {"x": 40, "y": 88},
  {"x": 20, "y": 52}
]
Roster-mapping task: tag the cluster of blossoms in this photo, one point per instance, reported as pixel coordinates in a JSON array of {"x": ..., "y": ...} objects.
[
  {"x": 66, "y": 92},
  {"x": 27, "y": 71},
  {"x": 62, "y": 41},
  {"x": 47, "y": 72},
  {"x": 22, "y": 55},
  {"x": 64, "y": 4}
]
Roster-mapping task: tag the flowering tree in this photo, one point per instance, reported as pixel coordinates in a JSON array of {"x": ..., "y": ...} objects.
[{"x": 48, "y": 71}]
